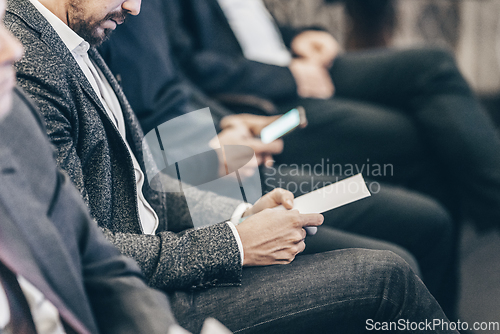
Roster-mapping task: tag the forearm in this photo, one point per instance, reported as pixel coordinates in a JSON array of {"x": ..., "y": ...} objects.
[
  {"x": 220, "y": 74},
  {"x": 193, "y": 258}
]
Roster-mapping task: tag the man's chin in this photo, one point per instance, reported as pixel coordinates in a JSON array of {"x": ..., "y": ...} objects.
[
  {"x": 96, "y": 36},
  {"x": 101, "y": 38}
]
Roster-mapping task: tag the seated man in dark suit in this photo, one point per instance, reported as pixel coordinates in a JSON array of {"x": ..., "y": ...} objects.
[
  {"x": 98, "y": 144},
  {"x": 139, "y": 53}
]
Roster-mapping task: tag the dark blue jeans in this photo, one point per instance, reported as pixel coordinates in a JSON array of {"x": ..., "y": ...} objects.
[
  {"x": 405, "y": 221},
  {"x": 343, "y": 291}
]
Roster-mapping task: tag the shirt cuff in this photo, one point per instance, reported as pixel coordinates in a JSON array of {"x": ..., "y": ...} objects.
[
  {"x": 238, "y": 239},
  {"x": 235, "y": 220},
  {"x": 175, "y": 329},
  {"x": 238, "y": 212}
]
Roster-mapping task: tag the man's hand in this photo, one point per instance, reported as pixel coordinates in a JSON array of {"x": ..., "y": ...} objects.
[
  {"x": 312, "y": 79},
  {"x": 240, "y": 134},
  {"x": 254, "y": 123},
  {"x": 271, "y": 200},
  {"x": 316, "y": 46},
  {"x": 275, "y": 236}
]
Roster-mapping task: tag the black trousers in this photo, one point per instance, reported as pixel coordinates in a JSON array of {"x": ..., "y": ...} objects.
[{"x": 413, "y": 112}]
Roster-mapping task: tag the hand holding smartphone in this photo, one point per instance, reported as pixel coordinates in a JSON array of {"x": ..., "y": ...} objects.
[{"x": 283, "y": 125}]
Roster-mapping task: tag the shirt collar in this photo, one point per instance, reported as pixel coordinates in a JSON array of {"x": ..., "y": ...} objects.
[{"x": 70, "y": 38}]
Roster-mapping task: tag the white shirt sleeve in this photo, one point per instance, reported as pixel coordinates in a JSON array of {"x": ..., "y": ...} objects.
[
  {"x": 4, "y": 309},
  {"x": 175, "y": 329},
  {"x": 235, "y": 220}
]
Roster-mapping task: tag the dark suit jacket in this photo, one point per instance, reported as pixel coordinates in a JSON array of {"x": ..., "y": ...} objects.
[
  {"x": 211, "y": 56},
  {"x": 45, "y": 226},
  {"x": 139, "y": 55},
  {"x": 94, "y": 155}
]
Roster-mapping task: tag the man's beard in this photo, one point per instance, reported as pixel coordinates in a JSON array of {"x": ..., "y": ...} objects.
[{"x": 89, "y": 31}]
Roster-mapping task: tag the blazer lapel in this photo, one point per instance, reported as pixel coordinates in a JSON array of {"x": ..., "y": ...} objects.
[{"x": 134, "y": 130}]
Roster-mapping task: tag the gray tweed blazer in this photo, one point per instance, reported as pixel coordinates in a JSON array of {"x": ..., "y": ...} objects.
[{"x": 93, "y": 153}]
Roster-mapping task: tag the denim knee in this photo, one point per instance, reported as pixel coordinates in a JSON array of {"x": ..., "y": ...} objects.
[{"x": 399, "y": 284}]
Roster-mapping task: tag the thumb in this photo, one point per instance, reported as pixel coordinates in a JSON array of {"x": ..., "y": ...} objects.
[
  {"x": 312, "y": 219},
  {"x": 259, "y": 147},
  {"x": 283, "y": 197}
]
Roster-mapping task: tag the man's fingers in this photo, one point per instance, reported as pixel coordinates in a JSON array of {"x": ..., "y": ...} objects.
[
  {"x": 287, "y": 255},
  {"x": 303, "y": 233},
  {"x": 230, "y": 121},
  {"x": 283, "y": 197},
  {"x": 274, "y": 147},
  {"x": 268, "y": 160},
  {"x": 312, "y": 219},
  {"x": 301, "y": 246},
  {"x": 257, "y": 123}
]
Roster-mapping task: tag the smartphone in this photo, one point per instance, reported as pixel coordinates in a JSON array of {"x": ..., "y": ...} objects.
[{"x": 283, "y": 125}]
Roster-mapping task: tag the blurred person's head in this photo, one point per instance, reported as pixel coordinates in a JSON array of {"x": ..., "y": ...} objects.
[
  {"x": 10, "y": 51},
  {"x": 93, "y": 20}
]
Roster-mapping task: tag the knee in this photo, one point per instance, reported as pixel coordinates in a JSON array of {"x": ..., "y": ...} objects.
[
  {"x": 438, "y": 224},
  {"x": 439, "y": 72},
  {"x": 407, "y": 257},
  {"x": 387, "y": 270},
  {"x": 435, "y": 57},
  {"x": 427, "y": 220},
  {"x": 388, "y": 264},
  {"x": 397, "y": 281}
]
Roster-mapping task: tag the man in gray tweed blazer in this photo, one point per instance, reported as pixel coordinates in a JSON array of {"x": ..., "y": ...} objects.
[
  {"x": 98, "y": 143},
  {"x": 67, "y": 275}
]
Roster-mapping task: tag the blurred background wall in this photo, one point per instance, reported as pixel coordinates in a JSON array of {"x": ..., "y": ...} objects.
[{"x": 468, "y": 27}]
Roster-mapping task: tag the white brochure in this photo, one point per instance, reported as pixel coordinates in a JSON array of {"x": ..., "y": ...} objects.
[{"x": 330, "y": 197}]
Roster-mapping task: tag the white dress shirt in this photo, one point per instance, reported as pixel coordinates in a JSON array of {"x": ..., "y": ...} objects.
[
  {"x": 256, "y": 31},
  {"x": 4, "y": 308},
  {"x": 44, "y": 313}
]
